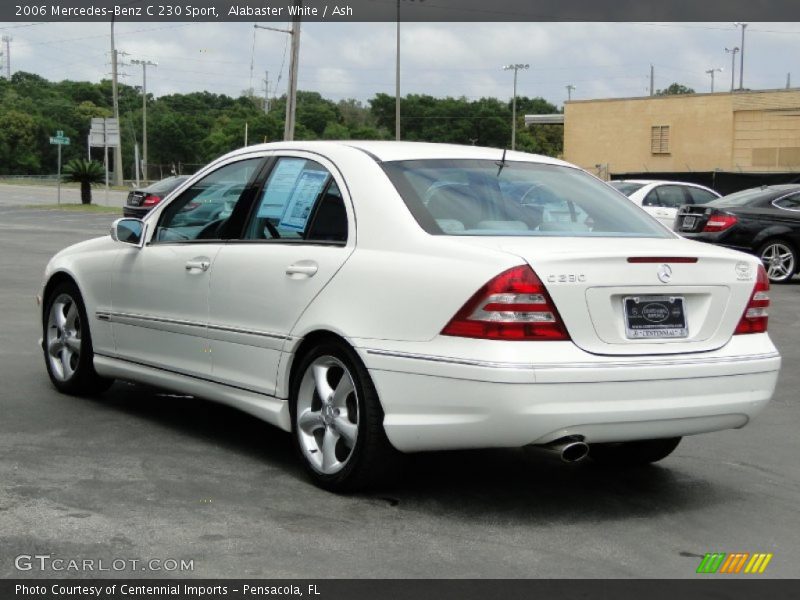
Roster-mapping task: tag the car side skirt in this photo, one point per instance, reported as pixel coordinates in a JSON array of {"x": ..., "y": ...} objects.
[{"x": 267, "y": 408}]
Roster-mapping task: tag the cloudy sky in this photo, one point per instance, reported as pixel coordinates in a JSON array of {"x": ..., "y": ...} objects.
[{"x": 356, "y": 60}]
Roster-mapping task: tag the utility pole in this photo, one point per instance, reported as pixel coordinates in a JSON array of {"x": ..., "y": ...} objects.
[
  {"x": 397, "y": 81},
  {"x": 118, "y": 148},
  {"x": 291, "y": 100},
  {"x": 570, "y": 89},
  {"x": 515, "y": 67},
  {"x": 741, "y": 56},
  {"x": 266, "y": 92},
  {"x": 652, "y": 80},
  {"x": 711, "y": 72},
  {"x": 144, "y": 64},
  {"x": 397, "y": 76},
  {"x": 7, "y": 39},
  {"x": 732, "y": 52},
  {"x": 291, "y": 96}
]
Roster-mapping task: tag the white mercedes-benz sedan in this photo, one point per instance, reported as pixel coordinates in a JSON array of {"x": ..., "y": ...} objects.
[{"x": 380, "y": 298}]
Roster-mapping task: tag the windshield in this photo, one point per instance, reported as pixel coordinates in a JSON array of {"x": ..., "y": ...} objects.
[
  {"x": 479, "y": 197},
  {"x": 626, "y": 187}
]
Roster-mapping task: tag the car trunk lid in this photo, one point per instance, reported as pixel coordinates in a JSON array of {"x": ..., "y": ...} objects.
[{"x": 593, "y": 280}]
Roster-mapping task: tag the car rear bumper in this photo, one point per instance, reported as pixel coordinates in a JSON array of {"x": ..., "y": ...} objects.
[{"x": 440, "y": 402}]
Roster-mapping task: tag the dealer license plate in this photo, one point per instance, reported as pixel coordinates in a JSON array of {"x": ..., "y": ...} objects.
[{"x": 655, "y": 317}]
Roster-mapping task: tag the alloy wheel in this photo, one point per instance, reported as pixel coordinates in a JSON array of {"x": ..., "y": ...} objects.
[
  {"x": 63, "y": 341},
  {"x": 327, "y": 415},
  {"x": 779, "y": 261}
]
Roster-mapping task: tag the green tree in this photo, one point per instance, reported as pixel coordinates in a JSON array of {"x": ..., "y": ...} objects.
[
  {"x": 85, "y": 172},
  {"x": 674, "y": 90}
]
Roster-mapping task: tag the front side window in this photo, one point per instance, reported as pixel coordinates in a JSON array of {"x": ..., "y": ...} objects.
[
  {"x": 201, "y": 212},
  {"x": 489, "y": 198},
  {"x": 299, "y": 201}
]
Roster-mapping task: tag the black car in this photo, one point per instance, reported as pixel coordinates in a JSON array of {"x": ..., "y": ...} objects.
[
  {"x": 764, "y": 221},
  {"x": 142, "y": 200}
]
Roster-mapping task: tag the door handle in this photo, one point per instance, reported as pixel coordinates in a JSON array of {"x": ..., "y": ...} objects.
[
  {"x": 303, "y": 268},
  {"x": 201, "y": 264}
]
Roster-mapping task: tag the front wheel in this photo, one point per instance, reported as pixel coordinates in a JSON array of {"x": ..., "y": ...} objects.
[
  {"x": 68, "y": 353},
  {"x": 631, "y": 454},
  {"x": 337, "y": 420},
  {"x": 779, "y": 259}
]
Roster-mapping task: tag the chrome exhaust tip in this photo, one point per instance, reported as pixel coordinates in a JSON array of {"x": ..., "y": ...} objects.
[
  {"x": 570, "y": 449},
  {"x": 573, "y": 452}
]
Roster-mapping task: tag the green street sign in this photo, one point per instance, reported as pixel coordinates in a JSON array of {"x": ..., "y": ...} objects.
[{"x": 60, "y": 139}]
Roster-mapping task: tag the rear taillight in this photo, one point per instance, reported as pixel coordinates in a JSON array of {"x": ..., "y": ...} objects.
[
  {"x": 514, "y": 305},
  {"x": 151, "y": 200},
  {"x": 754, "y": 319},
  {"x": 719, "y": 222}
]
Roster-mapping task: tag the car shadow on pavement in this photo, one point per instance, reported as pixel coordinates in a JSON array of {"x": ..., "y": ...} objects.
[
  {"x": 518, "y": 485},
  {"x": 532, "y": 485}
]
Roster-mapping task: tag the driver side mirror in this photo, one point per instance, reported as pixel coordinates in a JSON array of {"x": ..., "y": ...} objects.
[{"x": 129, "y": 231}]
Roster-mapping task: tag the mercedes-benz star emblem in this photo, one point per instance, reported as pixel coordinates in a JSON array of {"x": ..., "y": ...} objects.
[{"x": 664, "y": 273}]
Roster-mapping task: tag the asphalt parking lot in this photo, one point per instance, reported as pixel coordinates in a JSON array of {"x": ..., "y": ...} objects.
[{"x": 140, "y": 474}]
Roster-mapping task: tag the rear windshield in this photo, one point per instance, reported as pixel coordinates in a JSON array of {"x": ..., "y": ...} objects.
[
  {"x": 483, "y": 198},
  {"x": 165, "y": 185},
  {"x": 626, "y": 187},
  {"x": 742, "y": 198}
]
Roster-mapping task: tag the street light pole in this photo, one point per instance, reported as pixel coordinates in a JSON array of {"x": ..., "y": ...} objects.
[
  {"x": 711, "y": 72},
  {"x": 144, "y": 64},
  {"x": 741, "y": 56},
  {"x": 570, "y": 89},
  {"x": 515, "y": 67},
  {"x": 732, "y": 52}
]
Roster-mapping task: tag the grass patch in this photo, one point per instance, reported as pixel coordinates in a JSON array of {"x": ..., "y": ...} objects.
[
  {"x": 70, "y": 207},
  {"x": 64, "y": 185}
]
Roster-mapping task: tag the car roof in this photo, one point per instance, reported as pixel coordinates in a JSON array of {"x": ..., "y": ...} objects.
[
  {"x": 657, "y": 181},
  {"x": 393, "y": 151}
]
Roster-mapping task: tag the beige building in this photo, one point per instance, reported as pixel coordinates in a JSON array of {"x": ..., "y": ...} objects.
[{"x": 743, "y": 132}]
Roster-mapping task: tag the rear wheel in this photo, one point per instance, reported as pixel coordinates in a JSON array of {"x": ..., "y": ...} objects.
[
  {"x": 779, "y": 259},
  {"x": 337, "y": 421},
  {"x": 630, "y": 454},
  {"x": 68, "y": 353}
]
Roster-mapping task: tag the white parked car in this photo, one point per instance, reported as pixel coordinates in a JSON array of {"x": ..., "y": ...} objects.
[
  {"x": 662, "y": 199},
  {"x": 377, "y": 298}
]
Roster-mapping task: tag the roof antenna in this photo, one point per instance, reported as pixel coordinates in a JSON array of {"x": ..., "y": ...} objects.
[{"x": 502, "y": 162}]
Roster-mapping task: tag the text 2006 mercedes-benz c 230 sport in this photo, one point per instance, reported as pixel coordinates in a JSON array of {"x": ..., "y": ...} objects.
[{"x": 384, "y": 298}]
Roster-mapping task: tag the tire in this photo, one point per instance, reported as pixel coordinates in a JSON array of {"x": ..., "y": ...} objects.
[
  {"x": 67, "y": 344},
  {"x": 632, "y": 454},
  {"x": 779, "y": 259},
  {"x": 337, "y": 421}
]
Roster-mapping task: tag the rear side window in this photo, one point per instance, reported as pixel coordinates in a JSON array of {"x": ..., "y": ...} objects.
[
  {"x": 789, "y": 202},
  {"x": 299, "y": 201},
  {"x": 490, "y": 198},
  {"x": 626, "y": 187},
  {"x": 666, "y": 196}
]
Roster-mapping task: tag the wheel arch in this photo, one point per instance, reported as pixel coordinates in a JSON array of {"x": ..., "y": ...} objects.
[
  {"x": 56, "y": 279},
  {"x": 776, "y": 232},
  {"x": 309, "y": 341}
]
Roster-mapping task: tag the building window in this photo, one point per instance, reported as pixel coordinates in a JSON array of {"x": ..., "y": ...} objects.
[{"x": 659, "y": 139}]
